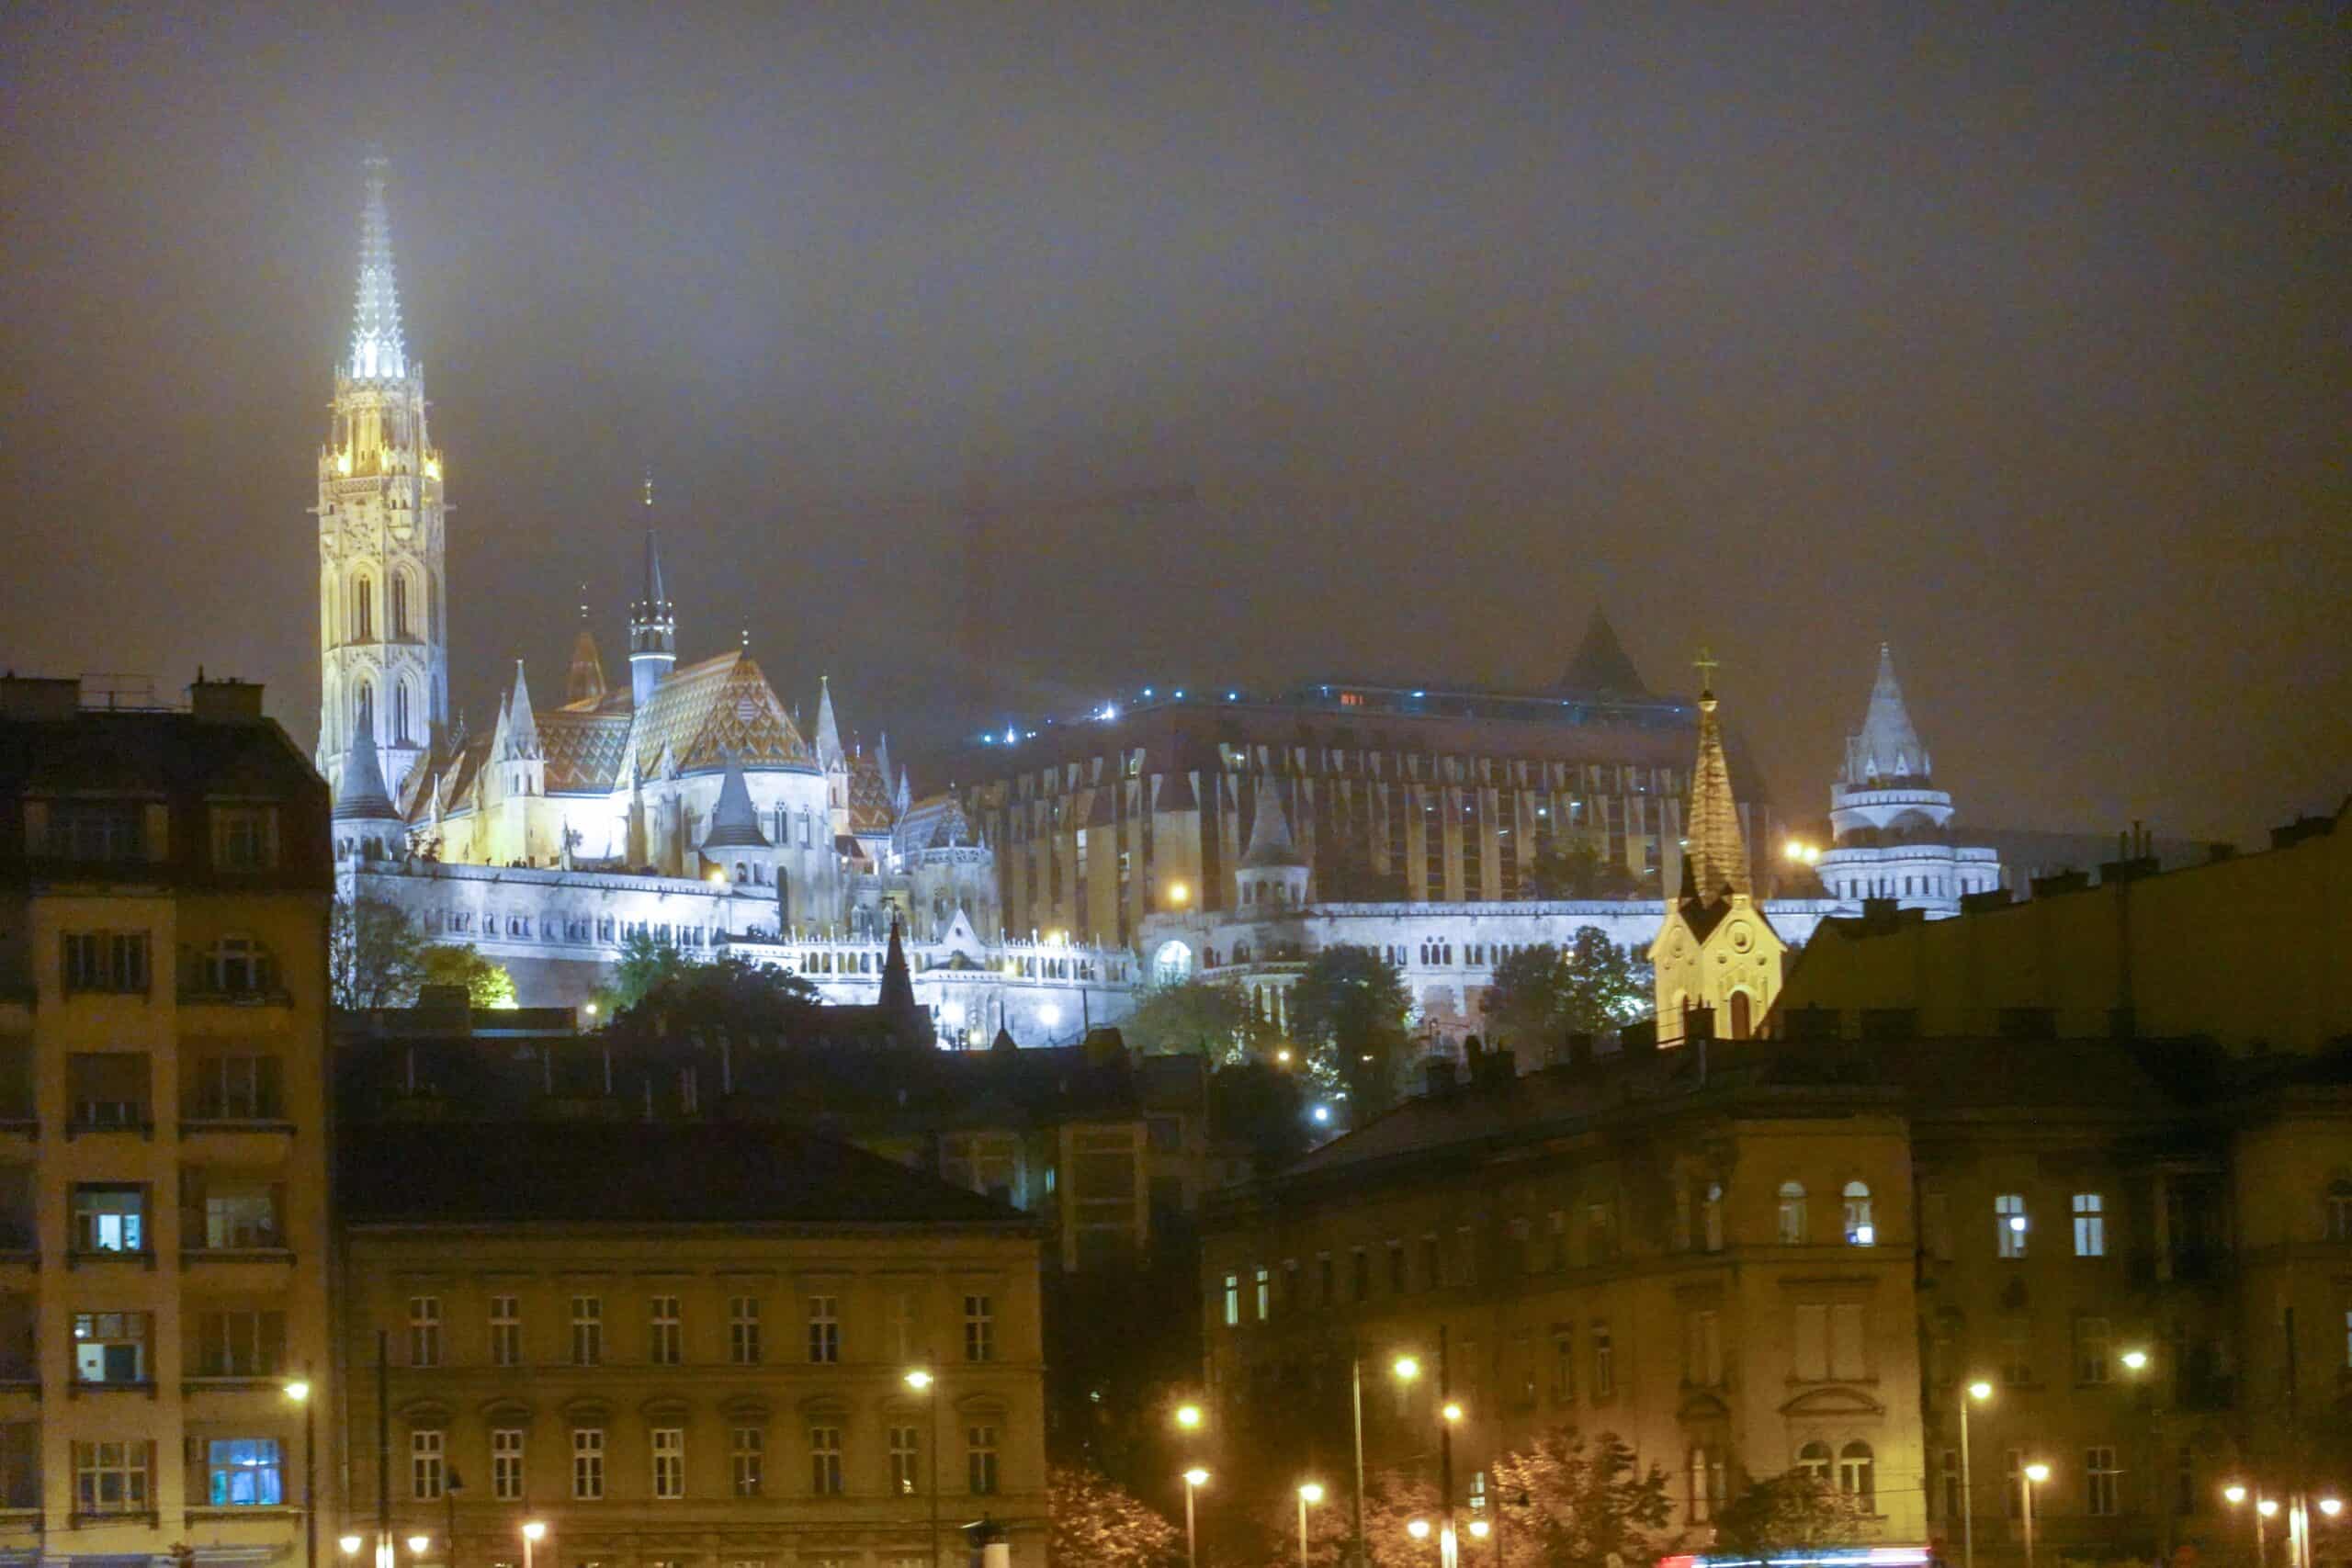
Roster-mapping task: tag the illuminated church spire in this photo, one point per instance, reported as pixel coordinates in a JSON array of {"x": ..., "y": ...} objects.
[
  {"x": 377, "y": 352},
  {"x": 652, "y": 623},
  {"x": 1717, "y": 855}
]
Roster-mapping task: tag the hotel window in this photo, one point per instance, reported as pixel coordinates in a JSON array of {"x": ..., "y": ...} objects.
[
  {"x": 1232, "y": 1300},
  {"x": 2102, "y": 1482},
  {"x": 980, "y": 1329},
  {"x": 669, "y": 1464},
  {"x": 588, "y": 1333},
  {"x": 1859, "y": 1231},
  {"x": 91, "y": 830},
  {"x": 2090, "y": 1226},
  {"x": 588, "y": 1463},
  {"x": 743, "y": 1331},
  {"x": 109, "y": 1218},
  {"x": 112, "y": 1478},
  {"x": 1792, "y": 1228},
  {"x": 1711, "y": 1217},
  {"x": 979, "y": 1460},
  {"x": 747, "y": 1450},
  {"x": 424, "y": 1457},
  {"x": 505, "y": 1331},
  {"x": 2090, "y": 1350},
  {"x": 244, "y": 837},
  {"x": 1812, "y": 1459},
  {"x": 824, "y": 1329},
  {"x": 236, "y": 1089},
  {"x": 425, "y": 1331},
  {"x": 825, "y": 1461},
  {"x": 1604, "y": 1362},
  {"x": 104, "y": 961},
  {"x": 1563, "y": 1363},
  {"x": 111, "y": 1348},
  {"x": 1264, "y": 1293},
  {"x": 2010, "y": 1224},
  {"x": 906, "y": 1460},
  {"x": 665, "y": 1335},
  {"x": 2017, "y": 1352},
  {"x": 1703, "y": 1359},
  {"x": 244, "y": 1472},
  {"x": 240, "y": 1344},
  {"x": 1856, "y": 1473},
  {"x": 506, "y": 1465},
  {"x": 1951, "y": 1483}
]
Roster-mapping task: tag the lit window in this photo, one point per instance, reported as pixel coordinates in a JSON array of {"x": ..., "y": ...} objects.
[
  {"x": 109, "y": 1219},
  {"x": 1859, "y": 1231},
  {"x": 1711, "y": 1217},
  {"x": 1855, "y": 1477},
  {"x": 2090, "y": 1226},
  {"x": 110, "y": 1346},
  {"x": 906, "y": 1457},
  {"x": 1792, "y": 1217},
  {"x": 1232, "y": 1300},
  {"x": 2009, "y": 1221},
  {"x": 1265, "y": 1294},
  {"x": 244, "y": 1472},
  {"x": 1812, "y": 1459}
]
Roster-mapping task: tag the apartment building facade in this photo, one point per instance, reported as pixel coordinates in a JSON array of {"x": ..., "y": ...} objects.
[
  {"x": 164, "y": 890},
  {"x": 685, "y": 1345}
]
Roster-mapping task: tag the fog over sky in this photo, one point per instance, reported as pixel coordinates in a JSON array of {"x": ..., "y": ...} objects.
[{"x": 2016, "y": 335}]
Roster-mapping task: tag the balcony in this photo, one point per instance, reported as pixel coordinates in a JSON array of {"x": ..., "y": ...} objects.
[{"x": 104, "y": 1256}]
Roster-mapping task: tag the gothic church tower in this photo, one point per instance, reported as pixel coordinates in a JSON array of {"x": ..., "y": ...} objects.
[{"x": 383, "y": 635}]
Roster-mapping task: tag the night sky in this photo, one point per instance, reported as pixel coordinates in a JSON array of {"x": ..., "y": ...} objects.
[{"x": 2015, "y": 336}]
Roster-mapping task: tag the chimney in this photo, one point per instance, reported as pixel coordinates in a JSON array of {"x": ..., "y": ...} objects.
[
  {"x": 1437, "y": 1077},
  {"x": 25, "y": 696},
  {"x": 228, "y": 700}
]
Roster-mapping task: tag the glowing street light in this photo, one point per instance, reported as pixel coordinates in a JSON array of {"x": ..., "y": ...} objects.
[
  {"x": 1178, "y": 893},
  {"x": 1308, "y": 1491},
  {"x": 2031, "y": 1477},
  {"x": 1406, "y": 1369},
  {"x": 2135, "y": 1361},
  {"x": 1188, "y": 1417},
  {"x": 2233, "y": 1495},
  {"x": 2331, "y": 1506},
  {"x": 1195, "y": 1479},
  {"x": 298, "y": 1391},
  {"x": 418, "y": 1545},
  {"x": 533, "y": 1532},
  {"x": 919, "y": 1380},
  {"x": 2268, "y": 1508},
  {"x": 1978, "y": 1393},
  {"x": 1450, "y": 1410},
  {"x": 1418, "y": 1529},
  {"x": 1478, "y": 1529},
  {"x": 351, "y": 1545}
]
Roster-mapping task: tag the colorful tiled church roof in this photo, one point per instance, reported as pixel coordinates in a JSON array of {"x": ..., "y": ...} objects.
[
  {"x": 704, "y": 712},
  {"x": 869, "y": 797}
]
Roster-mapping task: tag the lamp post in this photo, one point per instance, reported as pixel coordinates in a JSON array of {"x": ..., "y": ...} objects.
[
  {"x": 2032, "y": 1476},
  {"x": 1311, "y": 1492},
  {"x": 1449, "y": 1412},
  {"x": 351, "y": 1545},
  {"x": 298, "y": 1391},
  {"x": 2263, "y": 1509},
  {"x": 1418, "y": 1529},
  {"x": 921, "y": 1381},
  {"x": 532, "y": 1533},
  {"x": 1977, "y": 1393},
  {"x": 1195, "y": 1479},
  {"x": 449, "y": 1490}
]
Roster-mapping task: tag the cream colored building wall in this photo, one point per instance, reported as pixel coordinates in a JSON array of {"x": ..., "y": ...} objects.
[
  {"x": 178, "y": 1278},
  {"x": 708, "y": 1396}
]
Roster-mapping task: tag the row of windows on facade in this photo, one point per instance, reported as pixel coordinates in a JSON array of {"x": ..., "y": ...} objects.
[
  {"x": 516, "y": 926},
  {"x": 122, "y": 963},
  {"x": 824, "y": 1449},
  {"x": 1914, "y": 887},
  {"x": 1852, "y": 1471},
  {"x": 220, "y": 1211},
  {"x": 665, "y": 1331},
  {"x": 1571, "y": 782},
  {"x": 116, "y": 1349},
  {"x": 113, "y": 1477},
  {"x": 2101, "y": 1478},
  {"x": 114, "y": 1089},
  {"x": 242, "y": 838},
  {"x": 362, "y": 609}
]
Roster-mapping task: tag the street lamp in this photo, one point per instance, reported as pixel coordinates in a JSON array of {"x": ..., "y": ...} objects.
[
  {"x": 1478, "y": 1529},
  {"x": 418, "y": 1545},
  {"x": 2135, "y": 1361},
  {"x": 351, "y": 1545},
  {"x": 1195, "y": 1479},
  {"x": 2331, "y": 1506},
  {"x": 1188, "y": 1417},
  {"x": 532, "y": 1533},
  {"x": 2034, "y": 1476},
  {"x": 1978, "y": 1393},
  {"x": 922, "y": 1382},
  {"x": 1418, "y": 1529},
  {"x": 298, "y": 1391},
  {"x": 1310, "y": 1492}
]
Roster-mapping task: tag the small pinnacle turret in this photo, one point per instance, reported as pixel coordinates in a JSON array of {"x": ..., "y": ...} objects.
[
  {"x": 1716, "y": 858},
  {"x": 652, "y": 624}
]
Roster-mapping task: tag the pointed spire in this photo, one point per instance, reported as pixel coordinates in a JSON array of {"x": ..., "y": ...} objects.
[
  {"x": 829, "y": 734},
  {"x": 586, "y": 682},
  {"x": 1600, "y": 667},
  {"x": 733, "y": 822},
  {"x": 522, "y": 724},
  {"x": 906, "y": 795},
  {"x": 1888, "y": 747},
  {"x": 654, "y": 594},
  {"x": 652, "y": 626},
  {"x": 882, "y": 758},
  {"x": 376, "y": 351},
  {"x": 897, "y": 981},
  {"x": 1269, "y": 840},
  {"x": 1716, "y": 853},
  {"x": 363, "y": 797}
]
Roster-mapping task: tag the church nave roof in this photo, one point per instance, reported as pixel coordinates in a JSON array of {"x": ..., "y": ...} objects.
[{"x": 704, "y": 712}]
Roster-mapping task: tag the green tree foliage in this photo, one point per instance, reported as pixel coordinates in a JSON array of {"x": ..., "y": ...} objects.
[
  {"x": 1543, "y": 993},
  {"x": 1096, "y": 1523},
  {"x": 1348, "y": 1007},
  {"x": 730, "y": 995},
  {"x": 1567, "y": 1503},
  {"x": 375, "y": 954},
  {"x": 1192, "y": 1017},
  {"x": 487, "y": 985},
  {"x": 1793, "y": 1508},
  {"x": 643, "y": 965},
  {"x": 1576, "y": 868}
]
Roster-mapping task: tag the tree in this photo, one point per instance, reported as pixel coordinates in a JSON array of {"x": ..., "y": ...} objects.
[
  {"x": 1349, "y": 1006},
  {"x": 1543, "y": 993},
  {"x": 1576, "y": 868},
  {"x": 1188, "y": 1016},
  {"x": 1796, "y": 1508},
  {"x": 1096, "y": 1523},
  {"x": 487, "y": 985},
  {"x": 1259, "y": 1105},
  {"x": 730, "y": 995},
  {"x": 643, "y": 965},
  {"x": 1564, "y": 1503},
  {"x": 375, "y": 956}
]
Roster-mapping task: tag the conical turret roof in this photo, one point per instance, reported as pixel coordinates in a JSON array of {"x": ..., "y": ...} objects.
[
  {"x": 1269, "y": 840},
  {"x": 829, "y": 733},
  {"x": 733, "y": 822},
  {"x": 522, "y": 723},
  {"x": 897, "y": 981},
  {"x": 1600, "y": 667},
  {"x": 1888, "y": 747},
  {"x": 586, "y": 682},
  {"x": 363, "y": 797},
  {"x": 1715, "y": 856}
]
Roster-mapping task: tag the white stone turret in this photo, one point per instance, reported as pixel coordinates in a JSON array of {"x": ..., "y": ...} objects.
[
  {"x": 1891, "y": 824},
  {"x": 1272, "y": 874},
  {"x": 652, "y": 626}
]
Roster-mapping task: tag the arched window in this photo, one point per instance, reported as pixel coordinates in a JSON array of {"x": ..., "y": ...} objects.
[
  {"x": 1860, "y": 1232},
  {"x": 1171, "y": 964},
  {"x": 1854, "y": 1471},
  {"x": 1711, "y": 1217},
  {"x": 1793, "y": 1213},
  {"x": 1740, "y": 1020},
  {"x": 400, "y": 605},
  {"x": 363, "y": 708},
  {"x": 400, "y": 711},
  {"x": 1813, "y": 1460},
  {"x": 2339, "y": 1211},
  {"x": 362, "y": 610}
]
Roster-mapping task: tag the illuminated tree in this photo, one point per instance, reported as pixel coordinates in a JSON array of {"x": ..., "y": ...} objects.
[
  {"x": 1096, "y": 1523},
  {"x": 1349, "y": 1006},
  {"x": 487, "y": 985},
  {"x": 375, "y": 956}
]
